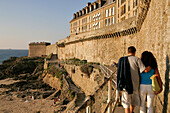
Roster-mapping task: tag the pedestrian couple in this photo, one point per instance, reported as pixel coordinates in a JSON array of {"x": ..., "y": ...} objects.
[{"x": 134, "y": 83}]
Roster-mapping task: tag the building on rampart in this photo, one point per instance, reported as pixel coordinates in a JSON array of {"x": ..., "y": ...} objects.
[
  {"x": 102, "y": 13},
  {"x": 143, "y": 24},
  {"x": 126, "y": 9},
  {"x": 96, "y": 15},
  {"x": 38, "y": 49}
]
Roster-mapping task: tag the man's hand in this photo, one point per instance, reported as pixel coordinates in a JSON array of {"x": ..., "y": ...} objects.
[{"x": 114, "y": 64}]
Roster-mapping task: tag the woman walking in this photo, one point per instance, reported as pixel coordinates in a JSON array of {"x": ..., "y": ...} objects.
[{"x": 146, "y": 91}]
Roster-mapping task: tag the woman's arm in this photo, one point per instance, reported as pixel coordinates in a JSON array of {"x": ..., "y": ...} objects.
[{"x": 147, "y": 69}]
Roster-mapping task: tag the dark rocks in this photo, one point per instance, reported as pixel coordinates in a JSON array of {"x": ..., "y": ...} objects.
[
  {"x": 16, "y": 66},
  {"x": 87, "y": 69},
  {"x": 29, "y": 72}
]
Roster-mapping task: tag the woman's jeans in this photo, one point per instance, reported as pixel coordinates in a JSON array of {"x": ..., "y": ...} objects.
[{"x": 146, "y": 92}]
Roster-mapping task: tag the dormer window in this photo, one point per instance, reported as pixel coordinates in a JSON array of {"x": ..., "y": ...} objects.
[
  {"x": 80, "y": 13},
  {"x": 95, "y": 6},
  {"x": 84, "y": 11},
  {"x": 77, "y": 14},
  {"x": 87, "y": 9},
  {"x": 91, "y": 8}
]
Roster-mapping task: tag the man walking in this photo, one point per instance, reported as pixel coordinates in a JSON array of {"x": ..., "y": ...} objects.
[{"x": 129, "y": 68}]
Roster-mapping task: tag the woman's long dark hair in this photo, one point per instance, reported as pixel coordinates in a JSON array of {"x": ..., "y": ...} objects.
[{"x": 148, "y": 59}]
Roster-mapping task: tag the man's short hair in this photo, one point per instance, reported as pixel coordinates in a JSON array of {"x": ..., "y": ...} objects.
[{"x": 131, "y": 49}]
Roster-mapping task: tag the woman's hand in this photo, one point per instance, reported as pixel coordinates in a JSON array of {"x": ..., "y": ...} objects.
[{"x": 156, "y": 93}]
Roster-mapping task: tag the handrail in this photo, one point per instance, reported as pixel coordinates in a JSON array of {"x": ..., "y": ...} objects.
[
  {"x": 101, "y": 86},
  {"x": 110, "y": 103}
]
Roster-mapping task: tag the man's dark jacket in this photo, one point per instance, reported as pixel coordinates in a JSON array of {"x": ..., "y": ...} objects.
[{"x": 124, "y": 80}]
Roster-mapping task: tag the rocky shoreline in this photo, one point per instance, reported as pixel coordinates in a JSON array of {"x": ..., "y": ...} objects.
[
  {"x": 21, "y": 82},
  {"x": 26, "y": 87}
]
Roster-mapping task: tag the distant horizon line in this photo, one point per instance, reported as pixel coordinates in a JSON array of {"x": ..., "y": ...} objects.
[{"x": 13, "y": 49}]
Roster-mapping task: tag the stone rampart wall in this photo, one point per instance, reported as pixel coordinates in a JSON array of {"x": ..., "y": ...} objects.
[
  {"x": 86, "y": 83},
  {"x": 37, "y": 49},
  {"x": 51, "y": 49},
  {"x": 42, "y": 49},
  {"x": 104, "y": 50},
  {"x": 153, "y": 35}
]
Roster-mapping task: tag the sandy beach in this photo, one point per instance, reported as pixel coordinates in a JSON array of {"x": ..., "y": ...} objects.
[{"x": 9, "y": 103}]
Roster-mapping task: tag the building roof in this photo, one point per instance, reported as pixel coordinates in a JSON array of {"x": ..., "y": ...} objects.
[{"x": 104, "y": 3}]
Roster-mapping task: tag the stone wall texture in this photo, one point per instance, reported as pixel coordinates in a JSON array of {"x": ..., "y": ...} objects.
[
  {"x": 153, "y": 35},
  {"x": 37, "y": 49},
  {"x": 51, "y": 49},
  {"x": 87, "y": 84},
  {"x": 52, "y": 81},
  {"x": 42, "y": 49}
]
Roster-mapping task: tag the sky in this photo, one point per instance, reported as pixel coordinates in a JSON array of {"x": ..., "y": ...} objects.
[{"x": 25, "y": 21}]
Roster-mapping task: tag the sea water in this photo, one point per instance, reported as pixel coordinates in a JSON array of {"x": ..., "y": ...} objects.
[{"x": 7, "y": 53}]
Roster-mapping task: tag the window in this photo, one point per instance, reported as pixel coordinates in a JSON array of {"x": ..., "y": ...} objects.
[
  {"x": 129, "y": 15},
  {"x": 109, "y": 21},
  {"x": 99, "y": 24},
  {"x": 110, "y": 12},
  {"x": 123, "y": 18},
  {"x": 106, "y": 13},
  {"x": 85, "y": 28},
  {"x": 135, "y": 3},
  {"x": 129, "y": 5},
  {"x": 90, "y": 19},
  {"x": 123, "y": 10},
  {"x": 122, "y": 1},
  {"x": 94, "y": 17},
  {"x": 113, "y": 12},
  {"x": 118, "y": 3},
  {"x": 134, "y": 12},
  {"x": 113, "y": 20},
  {"x": 94, "y": 6},
  {"x": 105, "y": 22},
  {"x": 75, "y": 24},
  {"x": 118, "y": 13},
  {"x": 90, "y": 27},
  {"x": 84, "y": 21}
]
